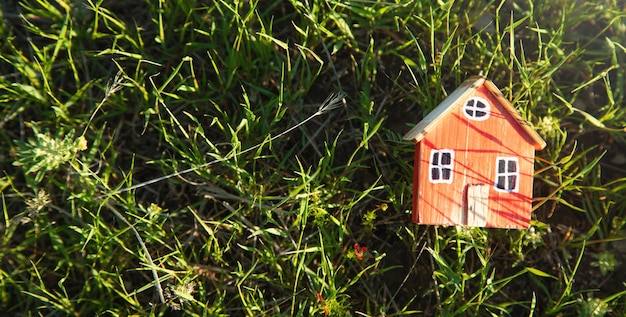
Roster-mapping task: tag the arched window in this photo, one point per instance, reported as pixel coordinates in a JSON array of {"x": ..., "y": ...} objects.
[{"x": 476, "y": 108}]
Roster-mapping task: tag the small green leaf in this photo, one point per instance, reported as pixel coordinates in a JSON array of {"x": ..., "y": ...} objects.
[
  {"x": 538, "y": 272},
  {"x": 186, "y": 88},
  {"x": 273, "y": 231},
  {"x": 31, "y": 91}
]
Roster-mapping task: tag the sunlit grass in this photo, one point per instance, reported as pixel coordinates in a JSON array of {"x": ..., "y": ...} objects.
[{"x": 184, "y": 156}]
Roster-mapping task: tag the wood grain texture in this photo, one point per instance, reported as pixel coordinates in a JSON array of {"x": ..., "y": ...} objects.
[{"x": 477, "y": 146}]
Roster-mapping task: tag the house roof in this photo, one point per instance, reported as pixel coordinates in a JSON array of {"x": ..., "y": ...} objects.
[{"x": 464, "y": 91}]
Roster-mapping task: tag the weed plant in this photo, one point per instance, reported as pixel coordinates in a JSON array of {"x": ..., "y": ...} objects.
[{"x": 244, "y": 158}]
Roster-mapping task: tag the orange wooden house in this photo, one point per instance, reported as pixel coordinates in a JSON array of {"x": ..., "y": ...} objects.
[{"x": 474, "y": 160}]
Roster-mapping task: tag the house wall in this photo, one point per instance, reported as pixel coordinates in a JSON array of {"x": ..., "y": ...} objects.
[{"x": 476, "y": 145}]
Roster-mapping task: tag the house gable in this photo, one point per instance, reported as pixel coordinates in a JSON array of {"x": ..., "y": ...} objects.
[{"x": 458, "y": 97}]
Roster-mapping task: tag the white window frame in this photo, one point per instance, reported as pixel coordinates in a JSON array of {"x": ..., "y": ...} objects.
[
  {"x": 439, "y": 167},
  {"x": 473, "y": 108},
  {"x": 507, "y": 174}
]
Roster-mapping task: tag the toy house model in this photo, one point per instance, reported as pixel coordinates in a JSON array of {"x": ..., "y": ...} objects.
[{"x": 474, "y": 158}]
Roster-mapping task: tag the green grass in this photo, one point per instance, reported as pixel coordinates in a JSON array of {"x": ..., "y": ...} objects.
[{"x": 182, "y": 157}]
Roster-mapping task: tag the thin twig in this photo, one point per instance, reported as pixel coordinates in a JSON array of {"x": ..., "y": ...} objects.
[
  {"x": 333, "y": 101},
  {"x": 406, "y": 278},
  {"x": 155, "y": 274}
]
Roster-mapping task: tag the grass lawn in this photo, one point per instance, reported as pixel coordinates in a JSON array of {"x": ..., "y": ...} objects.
[{"x": 245, "y": 158}]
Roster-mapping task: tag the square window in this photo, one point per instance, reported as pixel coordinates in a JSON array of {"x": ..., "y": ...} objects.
[
  {"x": 441, "y": 166},
  {"x": 507, "y": 174}
]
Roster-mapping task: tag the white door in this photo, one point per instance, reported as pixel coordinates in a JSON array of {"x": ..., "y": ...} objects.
[{"x": 477, "y": 205}]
